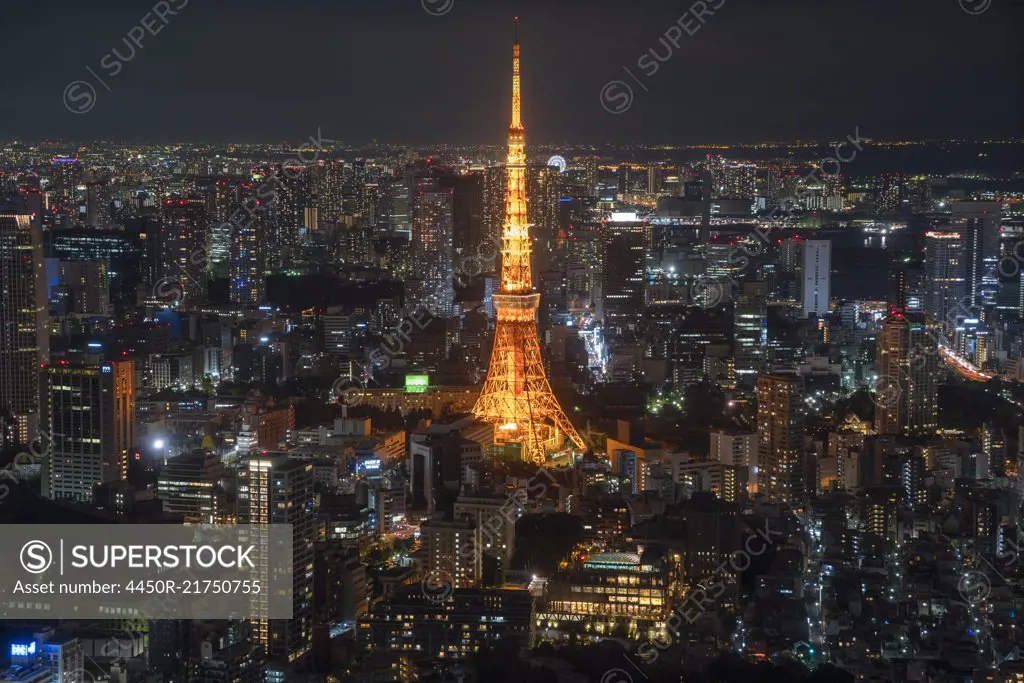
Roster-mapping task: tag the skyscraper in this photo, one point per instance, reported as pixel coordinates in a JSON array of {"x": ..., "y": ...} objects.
[
  {"x": 945, "y": 276},
  {"x": 978, "y": 223},
  {"x": 467, "y": 209},
  {"x": 907, "y": 362},
  {"x": 327, "y": 179},
  {"x": 624, "y": 246},
  {"x": 544, "y": 189},
  {"x": 433, "y": 247},
  {"x": 98, "y": 205},
  {"x": 24, "y": 337},
  {"x": 516, "y": 396},
  {"x": 495, "y": 184},
  {"x": 738, "y": 180},
  {"x": 750, "y": 332},
  {"x": 62, "y": 198},
  {"x": 86, "y": 285},
  {"x": 273, "y": 489},
  {"x": 286, "y": 213},
  {"x": 780, "y": 434},
  {"x": 183, "y": 248},
  {"x": 889, "y": 192},
  {"x": 817, "y": 277},
  {"x": 246, "y": 283},
  {"x": 89, "y": 411}
]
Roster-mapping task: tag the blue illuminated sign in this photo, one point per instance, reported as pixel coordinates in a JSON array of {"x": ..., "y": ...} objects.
[{"x": 23, "y": 650}]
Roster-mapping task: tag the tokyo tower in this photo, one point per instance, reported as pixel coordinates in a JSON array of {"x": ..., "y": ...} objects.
[{"x": 516, "y": 396}]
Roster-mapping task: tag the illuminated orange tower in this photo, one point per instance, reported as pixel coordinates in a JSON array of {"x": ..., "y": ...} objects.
[{"x": 516, "y": 396}]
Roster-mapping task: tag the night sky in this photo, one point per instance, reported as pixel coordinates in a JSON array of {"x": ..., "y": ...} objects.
[{"x": 255, "y": 70}]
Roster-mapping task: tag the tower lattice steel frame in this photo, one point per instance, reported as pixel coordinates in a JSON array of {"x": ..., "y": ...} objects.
[{"x": 516, "y": 396}]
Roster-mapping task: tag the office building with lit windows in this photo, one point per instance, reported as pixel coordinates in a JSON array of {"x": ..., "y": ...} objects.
[
  {"x": 189, "y": 485},
  {"x": 24, "y": 337},
  {"x": 89, "y": 412},
  {"x": 979, "y": 224},
  {"x": 750, "y": 332},
  {"x": 624, "y": 245},
  {"x": 945, "y": 276},
  {"x": 452, "y": 626},
  {"x": 273, "y": 489},
  {"x": 817, "y": 276}
]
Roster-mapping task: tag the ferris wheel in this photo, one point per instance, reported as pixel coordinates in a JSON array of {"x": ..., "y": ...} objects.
[{"x": 558, "y": 162}]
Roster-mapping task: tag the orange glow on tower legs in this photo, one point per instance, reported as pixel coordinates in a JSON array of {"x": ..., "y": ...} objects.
[{"x": 516, "y": 396}]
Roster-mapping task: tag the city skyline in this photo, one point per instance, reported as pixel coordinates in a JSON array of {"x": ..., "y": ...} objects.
[{"x": 323, "y": 411}]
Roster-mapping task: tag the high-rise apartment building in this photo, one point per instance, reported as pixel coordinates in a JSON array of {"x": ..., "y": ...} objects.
[
  {"x": 24, "y": 337},
  {"x": 495, "y": 519},
  {"x": 62, "y": 195},
  {"x": 183, "y": 257},
  {"x": 738, "y": 180},
  {"x": 889, "y": 192},
  {"x": 780, "y": 431},
  {"x": 433, "y": 247},
  {"x": 97, "y": 211},
  {"x": 737, "y": 449},
  {"x": 453, "y": 551},
  {"x": 286, "y": 213},
  {"x": 246, "y": 281},
  {"x": 907, "y": 360},
  {"x": 544, "y": 190},
  {"x": 495, "y": 185},
  {"x": 89, "y": 412},
  {"x": 327, "y": 179},
  {"x": 273, "y": 489}
]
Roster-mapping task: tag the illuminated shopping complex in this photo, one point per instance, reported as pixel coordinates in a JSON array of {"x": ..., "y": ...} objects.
[{"x": 618, "y": 594}]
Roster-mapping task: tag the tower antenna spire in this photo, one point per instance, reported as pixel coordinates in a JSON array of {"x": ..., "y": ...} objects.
[{"x": 517, "y": 123}]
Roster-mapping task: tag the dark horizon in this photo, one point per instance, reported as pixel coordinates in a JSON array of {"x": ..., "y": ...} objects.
[
  {"x": 393, "y": 73},
  {"x": 710, "y": 147}
]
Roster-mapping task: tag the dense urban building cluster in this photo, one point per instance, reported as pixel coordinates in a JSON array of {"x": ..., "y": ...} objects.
[{"x": 607, "y": 414}]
